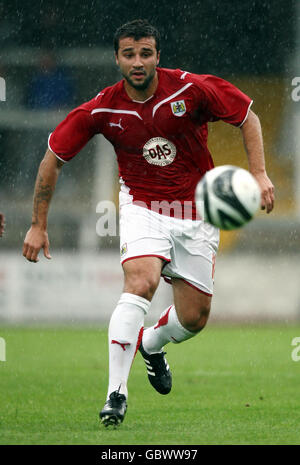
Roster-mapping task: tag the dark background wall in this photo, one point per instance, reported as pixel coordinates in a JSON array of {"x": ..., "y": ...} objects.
[{"x": 219, "y": 36}]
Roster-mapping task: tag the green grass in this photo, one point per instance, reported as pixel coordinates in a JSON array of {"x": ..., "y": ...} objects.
[{"x": 234, "y": 385}]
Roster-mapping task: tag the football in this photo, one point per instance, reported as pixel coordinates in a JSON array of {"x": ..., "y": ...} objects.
[{"x": 227, "y": 197}]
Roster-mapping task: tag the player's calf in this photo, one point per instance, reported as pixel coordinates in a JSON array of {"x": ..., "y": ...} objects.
[
  {"x": 192, "y": 305},
  {"x": 195, "y": 319}
]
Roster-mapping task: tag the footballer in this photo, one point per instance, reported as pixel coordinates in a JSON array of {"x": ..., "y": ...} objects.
[{"x": 156, "y": 119}]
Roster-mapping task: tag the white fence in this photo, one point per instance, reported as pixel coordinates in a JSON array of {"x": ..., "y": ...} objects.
[{"x": 83, "y": 288}]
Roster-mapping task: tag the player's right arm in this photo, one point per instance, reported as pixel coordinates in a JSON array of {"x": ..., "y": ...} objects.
[
  {"x": 68, "y": 138},
  {"x": 37, "y": 236}
]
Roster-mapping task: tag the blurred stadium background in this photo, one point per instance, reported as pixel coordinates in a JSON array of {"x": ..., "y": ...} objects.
[{"x": 55, "y": 55}]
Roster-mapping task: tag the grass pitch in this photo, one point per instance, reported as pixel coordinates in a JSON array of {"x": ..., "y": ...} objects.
[{"x": 230, "y": 386}]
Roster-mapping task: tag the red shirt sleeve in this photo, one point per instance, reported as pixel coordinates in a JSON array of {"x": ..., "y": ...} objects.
[
  {"x": 219, "y": 99},
  {"x": 72, "y": 134}
]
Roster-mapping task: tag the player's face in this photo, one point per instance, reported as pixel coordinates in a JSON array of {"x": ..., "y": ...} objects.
[{"x": 137, "y": 61}]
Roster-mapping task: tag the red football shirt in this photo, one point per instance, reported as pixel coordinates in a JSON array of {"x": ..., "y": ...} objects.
[{"x": 161, "y": 144}]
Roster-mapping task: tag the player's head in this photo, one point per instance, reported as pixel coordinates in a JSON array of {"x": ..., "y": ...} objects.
[
  {"x": 137, "y": 51},
  {"x": 137, "y": 29}
]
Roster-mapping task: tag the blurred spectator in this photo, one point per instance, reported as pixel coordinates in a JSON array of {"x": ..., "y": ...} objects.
[
  {"x": 51, "y": 87},
  {"x": 2, "y": 224}
]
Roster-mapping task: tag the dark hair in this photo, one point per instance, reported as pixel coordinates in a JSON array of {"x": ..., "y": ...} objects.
[{"x": 137, "y": 29}]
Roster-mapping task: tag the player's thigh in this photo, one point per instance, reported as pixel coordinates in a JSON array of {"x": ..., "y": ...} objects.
[
  {"x": 143, "y": 233},
  {"x": 193, "y": 255},
  {"x": 192, "y": 305},
  {"x": 142, "y": 276}
]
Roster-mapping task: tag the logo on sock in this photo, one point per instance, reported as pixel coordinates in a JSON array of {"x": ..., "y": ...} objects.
[
  {"x": 164, "y": 319},
  {"x": 122, "y": 344}
]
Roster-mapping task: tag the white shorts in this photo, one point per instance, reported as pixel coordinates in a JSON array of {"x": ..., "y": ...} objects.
[{"x": 188, "y": 247}]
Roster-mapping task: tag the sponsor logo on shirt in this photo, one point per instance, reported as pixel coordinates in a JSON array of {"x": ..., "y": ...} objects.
[
  {"x": 178, "y": 108},
  {"x": 159, "y": 151}
]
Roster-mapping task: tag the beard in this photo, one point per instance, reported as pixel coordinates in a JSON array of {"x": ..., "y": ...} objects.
[{"x": 143, "y": 85}]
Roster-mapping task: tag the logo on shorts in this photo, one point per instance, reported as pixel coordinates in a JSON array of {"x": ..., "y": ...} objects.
[
  {"x": 178, "y": 108},
  {"x": 159, "y": 151},
  {"x": 123, "y": 250}
]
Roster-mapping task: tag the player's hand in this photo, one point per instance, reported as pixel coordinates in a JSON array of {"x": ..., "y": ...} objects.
[
  {"x": 2, "y": 224},
  {"x": 267, "y": 191},
  {"x": 36, "y": 239}
]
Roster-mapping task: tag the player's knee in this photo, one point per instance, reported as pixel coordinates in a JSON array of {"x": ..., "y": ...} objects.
[
  {"x": 196, "y": 320},
  {"x": 142, "y": 285}
]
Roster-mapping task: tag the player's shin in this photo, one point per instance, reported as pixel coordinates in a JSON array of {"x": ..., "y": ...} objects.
[
  {"x": 125, "y": 330},
  {"x": 167, "y": 329}
]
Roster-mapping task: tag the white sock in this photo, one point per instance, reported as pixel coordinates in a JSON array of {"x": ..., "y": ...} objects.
[
  {"x": 124, "y": 334},
  {"x": 167, "y": 329}
]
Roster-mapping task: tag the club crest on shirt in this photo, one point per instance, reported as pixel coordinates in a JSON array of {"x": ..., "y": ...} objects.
[{"x": 178, "y": 108}]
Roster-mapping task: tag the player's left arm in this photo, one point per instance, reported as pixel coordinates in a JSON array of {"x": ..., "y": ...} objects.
[{"x": 253, "y": 141}]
